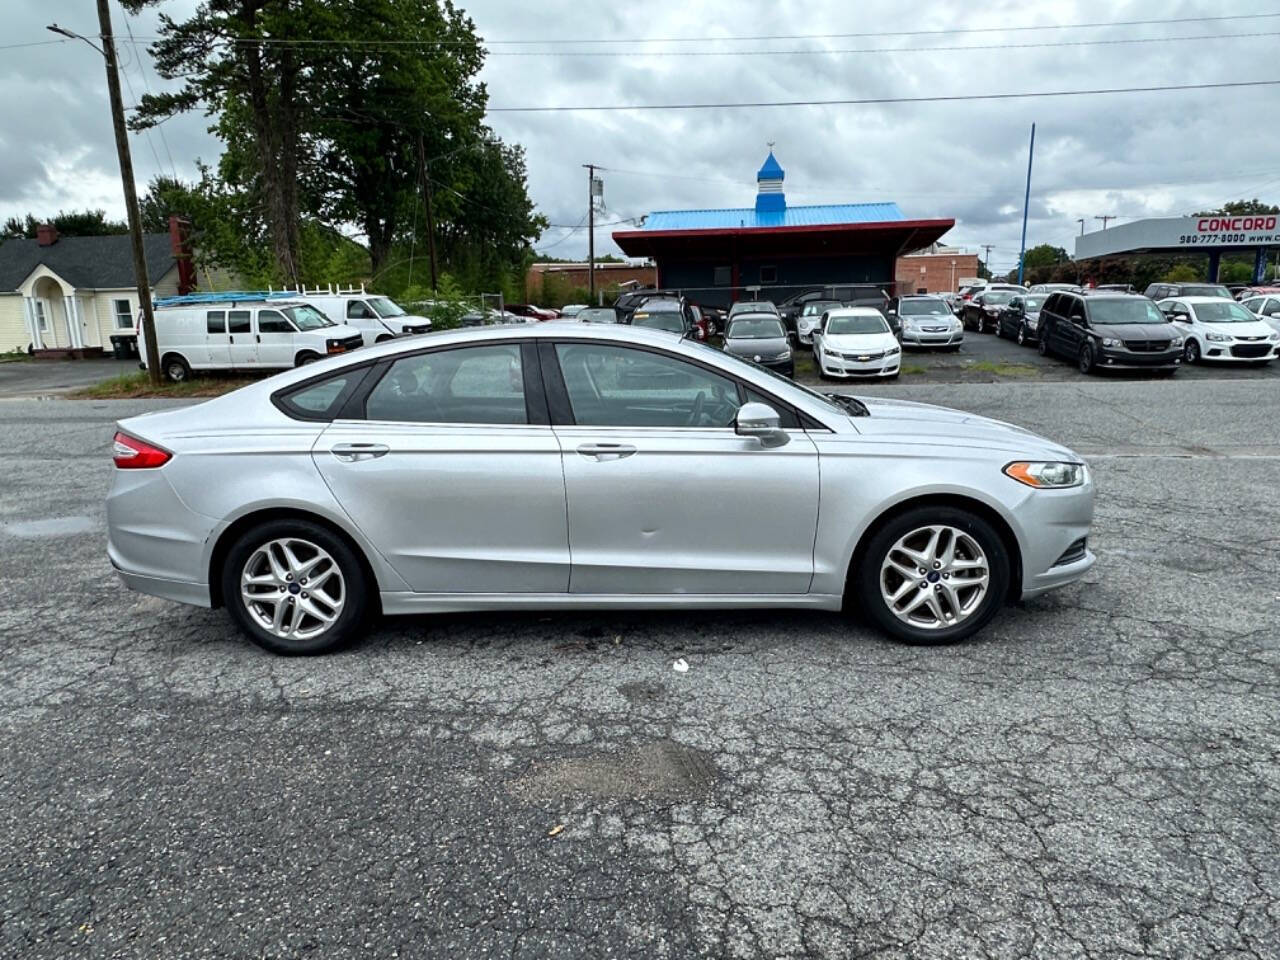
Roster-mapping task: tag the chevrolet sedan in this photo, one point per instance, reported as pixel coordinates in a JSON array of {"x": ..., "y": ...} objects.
[{"x": 547, "y": 467}]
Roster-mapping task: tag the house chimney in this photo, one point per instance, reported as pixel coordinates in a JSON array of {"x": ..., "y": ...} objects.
[{"x": 46, "y": 234}]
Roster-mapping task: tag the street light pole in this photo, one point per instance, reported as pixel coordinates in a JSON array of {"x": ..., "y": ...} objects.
[{"x": 108, "y": 51}]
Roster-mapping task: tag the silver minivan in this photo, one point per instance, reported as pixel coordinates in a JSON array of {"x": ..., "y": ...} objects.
[{"x": 244, "y": 335}]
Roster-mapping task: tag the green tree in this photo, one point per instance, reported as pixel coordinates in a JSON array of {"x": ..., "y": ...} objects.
[
  {"x": 1240, "y": 208},
  {"x": 1044, "y": 255},
  {"x": 1182, "y": 273},
  {"x": 69, "y": 223}
]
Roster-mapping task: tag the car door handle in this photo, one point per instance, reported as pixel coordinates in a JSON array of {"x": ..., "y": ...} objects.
[
  {"x": 355, "y": 452},
  {"x": 606, "y": 451}
]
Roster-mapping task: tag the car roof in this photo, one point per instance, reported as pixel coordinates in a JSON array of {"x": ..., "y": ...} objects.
[
  {"x": 1200, "y": 299},
  {"x": 920, "y": 296},
  {"x": 856, "y": 312},
  {"x": 756, "y": 315}
]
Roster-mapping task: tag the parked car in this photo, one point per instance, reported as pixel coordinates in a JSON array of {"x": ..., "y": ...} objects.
[
  {"x": 221, "y": 334},
  {"x": 1115, "y": 331},
  {"x": 751, "y": 306},
  {"x": 1163, "y": 291},
  {"x": 811, "y": 317},
  {"x": 1020, "y": 318},
  {"x": 597, "y": 315},
  {"x": 1217, "y": 329},
  {"x": 982, "y": 312},
  {"x": 665, "y": 313},
  {"x": 570, "y": 310},
  {"x": 531, "y": 311},
  {"x": 1053, "y": 287},
  {"x": 377, "y": 318},
  {"x": 928, "y": 322},
  {"x": 856, "y": 342},
  {"x": 1113, "y": 288},
  {"x": 714, "y": 318},
  {"x": 631, "y": 299},
  {"x": 1266, "y": 309},
  {"x": 1248, "y": 293},
  {"x": 793, "y": 307},
  {"x": 547, "y": 467},
  {"x": 966, "y": 294},
  {"x": 760, "y": 338}
]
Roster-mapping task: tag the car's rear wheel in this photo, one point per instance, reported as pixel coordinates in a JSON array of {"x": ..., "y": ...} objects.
[
  {"x": 294, "y": 587},
  {"x": 1191, "y": 352},
  {"x": 933, "y": 575},
  {"x": 176, "y": 369}
]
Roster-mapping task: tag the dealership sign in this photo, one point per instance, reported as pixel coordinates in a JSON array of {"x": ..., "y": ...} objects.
[{"x": 1181, "y": 233}]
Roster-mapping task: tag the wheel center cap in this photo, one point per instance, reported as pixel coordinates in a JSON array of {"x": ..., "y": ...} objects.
[
  {"x": 294, "y": 589},
  {"x": 934, "y": 576}
]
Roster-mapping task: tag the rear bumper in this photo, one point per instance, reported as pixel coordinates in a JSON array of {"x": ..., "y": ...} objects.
[{"x": 179, "y": 591}]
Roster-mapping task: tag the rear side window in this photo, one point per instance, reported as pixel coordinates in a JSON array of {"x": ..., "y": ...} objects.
[
  {"x": 217, "y": 321},
  {"x": 1051, "y": 305},
  {"x": 467, "y": 385},
  {"x": 320, "y": 399},
  {"x": 237, "y": 321},
  {"x": 1075, "y": 308}
]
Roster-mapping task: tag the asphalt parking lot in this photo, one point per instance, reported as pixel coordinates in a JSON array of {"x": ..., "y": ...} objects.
[{"x": 1097, "y": 775}]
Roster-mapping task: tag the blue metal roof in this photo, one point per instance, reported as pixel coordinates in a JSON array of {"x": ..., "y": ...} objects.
[
  {"x": 749, "y": 218},
  {"x": 772, "y": 170}
]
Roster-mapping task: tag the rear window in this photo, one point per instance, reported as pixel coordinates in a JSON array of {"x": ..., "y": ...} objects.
[{"x": 1205, "y": 290}]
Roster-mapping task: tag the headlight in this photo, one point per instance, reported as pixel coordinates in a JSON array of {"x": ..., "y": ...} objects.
[
  {"x": 1274, "y": 337},
  {"x": 1032, "y": 322},
  {"x": 892, "y": 350},
  {"x": 1046, "y": 474},
  {"x": 829, "y": 353},
  {"x": 1218, "y": 337},
  {"x": 1177, "y": 342},
  {"x": 1111, "y": 342},
  {"x": 784, "y": 355},
  {"x": 957, "y": 325}
]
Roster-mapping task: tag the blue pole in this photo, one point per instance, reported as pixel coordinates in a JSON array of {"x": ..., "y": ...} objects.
[{"x": 1026, "y": 202}]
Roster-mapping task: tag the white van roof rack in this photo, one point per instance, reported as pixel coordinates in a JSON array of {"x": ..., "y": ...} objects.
[{"x": 329, "y": 289}]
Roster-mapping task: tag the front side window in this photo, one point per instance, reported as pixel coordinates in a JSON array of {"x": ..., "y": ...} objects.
[
  {"x": 273, "y": 321},
  {"x": 356, "y": 310},
  {"x": 612, "y": 386},
  {"x": 483, "y": 385},
  {"x": 123, "y": 313}
]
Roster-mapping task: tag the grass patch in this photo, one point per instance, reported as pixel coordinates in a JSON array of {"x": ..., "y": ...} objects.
[
  {"x": 131, "y": 386},
  {"x": 913, "y": 368},
  {"x": 1005, "y": 369},
  {"x": 16, "y": 355}
]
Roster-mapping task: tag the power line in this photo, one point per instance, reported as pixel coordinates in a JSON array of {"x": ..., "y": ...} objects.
[
  {"x": 146, "y": 85},
  {"x": 613, "y": 41},
  {"x": 870, "y": 101},
  {"x": 34, "y": 43}
]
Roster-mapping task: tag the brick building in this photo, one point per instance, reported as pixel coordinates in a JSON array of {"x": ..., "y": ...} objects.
[
  {"x": 547, "y": 281},
  {"x": 935, "y": 269}
]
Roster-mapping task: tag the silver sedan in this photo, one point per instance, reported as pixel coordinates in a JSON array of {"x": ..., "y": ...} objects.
[{"x": 551, "y": 467}]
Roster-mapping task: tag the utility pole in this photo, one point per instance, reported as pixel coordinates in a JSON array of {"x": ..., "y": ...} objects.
[
  {"x": 1026, "y": 204},
  {"x": 591, "y": 230},
  {"x": 1105, "y": 220},
  {"x": 1080, "y": 220},
  {"x": 108, "y": 51},
  {"x": 986, "y": 260},
  {"x": 425, "y": 175}
]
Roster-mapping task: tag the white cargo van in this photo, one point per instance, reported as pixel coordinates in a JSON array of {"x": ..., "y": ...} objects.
[
  {"x": 378, "y": 318},
  {"x": 222, "y": 334}
]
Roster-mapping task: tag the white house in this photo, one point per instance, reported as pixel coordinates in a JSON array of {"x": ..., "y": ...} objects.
[{"x": 72, "y": 293}]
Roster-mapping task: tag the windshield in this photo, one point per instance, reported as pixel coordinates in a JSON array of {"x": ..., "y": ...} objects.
[
  {"x": 752, "y": 306},
  {"x": 755, "y": 328},
  {"x": 598, "y": 315},
  {"x": 859, "y": 323},
  {"x": 307, "y": 318},
  {"x": 660, "y": 320},
  {"x": 1033, "y": 304},
  {"x": 923, "y": 308},
  {"x": 997, "y": 297},
  {"x": 1128, "y": 310},
  {"x": 817, "y": 308},
  {"x": 1205, "y": 290},
  {"x": 384, "y": 307},
  {"x": 1224, "y": 312}
]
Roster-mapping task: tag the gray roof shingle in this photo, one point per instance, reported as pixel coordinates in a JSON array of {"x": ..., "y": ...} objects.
[{"x": 89, "y": 263}]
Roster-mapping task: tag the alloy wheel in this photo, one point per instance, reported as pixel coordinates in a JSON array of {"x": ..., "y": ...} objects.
[
  {"x": 934, "y": 577},
  {"x": 1022, "y": 335},
  {"x": 292, "y": 588},
  {"x": 1191, "y": 352}
]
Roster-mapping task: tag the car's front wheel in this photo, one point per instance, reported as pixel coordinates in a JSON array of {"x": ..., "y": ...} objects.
[
  {"x": 1042, "y": 345},
  {"x": 1021, "y": 335},
  {"x": 1191, "y": 352},
  {"x": 933, "y": 575},
  {"x": 1085, "y": 361},
  {"x": 294, "y": 587},
  {"x": 176, "y": 369}
]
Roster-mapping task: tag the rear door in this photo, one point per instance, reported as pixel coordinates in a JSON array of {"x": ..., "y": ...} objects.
[
  {"x": 453, "y": 471},
  {"x": 663, "y": 496},
  {"x": 219, "y": 340},
  {"x": 242, "y": 345}
]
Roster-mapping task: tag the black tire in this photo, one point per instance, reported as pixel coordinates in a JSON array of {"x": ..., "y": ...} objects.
[
  {"x": 979, "y": 323},
  {"x": 383, "y": 339},
  {"x": 998, "y": 330},
  {"x": 1021, "y": 336},
  {"x": 354, "y": 593},
  {"x": 1085, "y": 361},
  {"x": 1191, "y": 352},
  {"x": 1042, "y": 345},
  {"x": 176, "y": 369},
  {"x": 305, "y": 357},
  {"x": 864, "y": 583}
]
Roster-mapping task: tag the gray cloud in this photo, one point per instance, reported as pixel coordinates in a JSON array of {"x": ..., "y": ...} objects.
[{"x": 1150, "y": 154}]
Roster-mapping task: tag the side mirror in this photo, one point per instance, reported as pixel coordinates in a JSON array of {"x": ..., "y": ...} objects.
[{"x": 761, "y": 421}]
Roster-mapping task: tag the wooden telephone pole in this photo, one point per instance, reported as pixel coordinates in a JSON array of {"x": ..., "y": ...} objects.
[{"x": 424, "y": 173}]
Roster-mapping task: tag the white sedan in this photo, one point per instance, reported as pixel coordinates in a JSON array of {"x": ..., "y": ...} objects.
[
  {"x": 856, "y": 342},
  {"x": 1217, "y": 329},
  {"x": 1265, "y": 308}
]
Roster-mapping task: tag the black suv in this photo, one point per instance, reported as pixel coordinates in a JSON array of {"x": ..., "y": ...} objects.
[
  {"x": 1163, "y": 291},
  {"x": 1112, "y": 331}
]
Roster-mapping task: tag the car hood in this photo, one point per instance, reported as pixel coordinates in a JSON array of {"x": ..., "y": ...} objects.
[
  {"x": 929, "y": 320},
  {"x": 744, "y": 347},
  {"x": 1137, "y": 331},
  {"x": 909, "y": 422},
  {"x": 859, "y": 341},
  {"x": 1255, "y": 329}
]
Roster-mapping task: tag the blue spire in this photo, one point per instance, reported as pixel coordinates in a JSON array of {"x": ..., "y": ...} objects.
[{"x": 771, "y": 170}]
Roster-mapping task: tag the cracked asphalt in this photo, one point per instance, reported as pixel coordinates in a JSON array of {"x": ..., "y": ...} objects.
[{"x": 1097, "y": 775}]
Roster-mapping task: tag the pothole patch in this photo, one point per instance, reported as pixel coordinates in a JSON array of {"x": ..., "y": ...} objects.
[
  {"x": 52, "y": 527},
  {"x": 662, "y": 770}
]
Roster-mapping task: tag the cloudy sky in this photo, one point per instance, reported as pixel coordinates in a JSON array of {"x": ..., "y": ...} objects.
[{"x": 1131, "y": 155}]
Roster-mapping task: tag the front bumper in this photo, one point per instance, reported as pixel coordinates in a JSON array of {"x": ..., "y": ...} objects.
[
  {"x": 886, "y": 366},
  {"x": 1052, "y": 524},
  {"x": 785, "y": 367},
  {"x": 1110, "y": 358},
  {"x": 1248, "y": 352}
]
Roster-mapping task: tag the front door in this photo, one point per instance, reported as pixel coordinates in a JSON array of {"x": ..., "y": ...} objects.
[
  {"x": 663, "y": 496},
  {"x": 451, "y": 476},
  {"x": 274, "y": 337}
]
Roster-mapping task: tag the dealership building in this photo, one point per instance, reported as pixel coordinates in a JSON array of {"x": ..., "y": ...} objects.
[
  {"x": 1210, "y": 236},
  {"x": 716, "y": 256}
]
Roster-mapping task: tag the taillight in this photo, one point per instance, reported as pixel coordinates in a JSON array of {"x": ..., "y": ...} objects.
[{"x": 130, "y": 453}]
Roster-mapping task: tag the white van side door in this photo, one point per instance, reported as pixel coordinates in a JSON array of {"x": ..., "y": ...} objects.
[
  {"x": 275, "y": 336},
  {"x": 243, "y": 346},
  {"x": 217, "y": 338}
]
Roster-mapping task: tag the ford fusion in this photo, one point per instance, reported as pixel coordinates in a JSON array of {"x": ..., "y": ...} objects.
[{"x": 548, "y": 467}]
